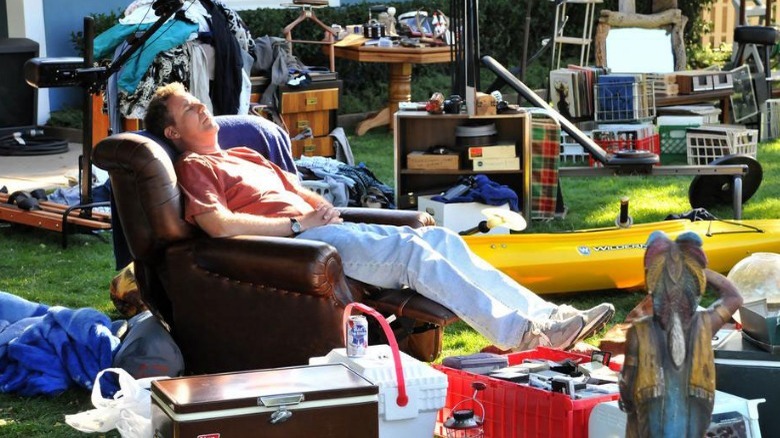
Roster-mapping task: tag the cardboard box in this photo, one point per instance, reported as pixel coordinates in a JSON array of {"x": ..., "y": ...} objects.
[
  {"x": 422, "y": 161},
  {"x": 457, "y": 216},
  {"x": 499, "y": 163},
  {"x": 507, "y": 150}
]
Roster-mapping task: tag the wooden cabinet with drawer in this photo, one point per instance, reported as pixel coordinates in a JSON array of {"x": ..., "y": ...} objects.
[{"x": 314, "y": 107}]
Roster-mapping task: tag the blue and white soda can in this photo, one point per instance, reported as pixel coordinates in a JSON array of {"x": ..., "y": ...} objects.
[{"x": 357, "y": 336}]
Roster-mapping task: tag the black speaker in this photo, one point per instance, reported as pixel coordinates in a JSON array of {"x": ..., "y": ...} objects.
[{"x": 19, "y": 102}]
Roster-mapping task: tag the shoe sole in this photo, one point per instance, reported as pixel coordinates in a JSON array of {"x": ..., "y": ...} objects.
[{"x": 593, "y": 327}]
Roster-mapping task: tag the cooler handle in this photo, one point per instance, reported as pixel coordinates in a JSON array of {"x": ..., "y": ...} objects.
[{"x": 402, "y": 399}]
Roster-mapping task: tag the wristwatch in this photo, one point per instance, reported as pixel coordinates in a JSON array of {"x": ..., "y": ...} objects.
[{"x": 295, "y": 226}]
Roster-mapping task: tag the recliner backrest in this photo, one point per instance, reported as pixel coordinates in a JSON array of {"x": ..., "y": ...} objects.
[
  {"x": 145, "y": 190},
  {"x": 144, "y": 182}
]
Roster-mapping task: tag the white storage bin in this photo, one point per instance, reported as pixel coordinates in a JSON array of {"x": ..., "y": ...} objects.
[
  {"x": 709, "y": 143},
  {"x": 425, "y": 386}
]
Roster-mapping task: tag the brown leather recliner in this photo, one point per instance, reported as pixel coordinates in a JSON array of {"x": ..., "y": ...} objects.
[{"x": 246, "y": 302}]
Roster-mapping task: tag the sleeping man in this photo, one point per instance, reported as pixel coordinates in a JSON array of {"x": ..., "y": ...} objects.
[{"x": 239, "y": 192}]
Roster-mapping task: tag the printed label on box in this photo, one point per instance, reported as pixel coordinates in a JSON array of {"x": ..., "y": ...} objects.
[
  {"x": 497, "y": 151},
  {"x": 496, "y": 163}
]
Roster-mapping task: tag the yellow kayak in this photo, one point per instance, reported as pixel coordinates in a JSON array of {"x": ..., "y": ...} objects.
[{"x": 612, "y": 258}]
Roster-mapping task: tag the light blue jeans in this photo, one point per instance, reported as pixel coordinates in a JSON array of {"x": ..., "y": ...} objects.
[{"x": 437, "y": 263}]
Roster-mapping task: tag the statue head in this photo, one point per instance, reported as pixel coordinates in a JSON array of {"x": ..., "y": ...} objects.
[{"x": 674, "y": 273}]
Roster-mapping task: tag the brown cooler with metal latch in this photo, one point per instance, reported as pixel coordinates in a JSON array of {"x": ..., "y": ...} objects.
[{"x": 308, "y": 401}]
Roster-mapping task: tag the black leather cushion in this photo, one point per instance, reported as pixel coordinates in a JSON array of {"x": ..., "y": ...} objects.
[{"x": 763, "y": 35}]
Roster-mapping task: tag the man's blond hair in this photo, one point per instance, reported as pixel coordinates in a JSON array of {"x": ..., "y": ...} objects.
[{"x": 157, "y": 117}]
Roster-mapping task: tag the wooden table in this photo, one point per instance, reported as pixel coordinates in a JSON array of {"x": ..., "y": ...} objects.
[
  {"x": 724, "y": 96},
  {"x": 401, "y": 60}
]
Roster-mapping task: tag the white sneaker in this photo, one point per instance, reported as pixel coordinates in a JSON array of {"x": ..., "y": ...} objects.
[
  {"x": 552, "y": 334},
  {"x": 595, "y": 317}
]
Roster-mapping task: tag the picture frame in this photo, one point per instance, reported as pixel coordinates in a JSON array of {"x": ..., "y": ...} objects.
[{"x": 743, "y": 98}]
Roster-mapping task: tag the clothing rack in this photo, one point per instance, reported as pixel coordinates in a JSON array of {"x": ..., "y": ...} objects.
[{"x": 307, "y": 13}]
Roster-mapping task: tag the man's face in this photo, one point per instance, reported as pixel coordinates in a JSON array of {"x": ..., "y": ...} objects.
[{"x": 194, "y": 128}]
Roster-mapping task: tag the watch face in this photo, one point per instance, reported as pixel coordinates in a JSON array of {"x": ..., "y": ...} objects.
[{"x": 295, "y": 225}]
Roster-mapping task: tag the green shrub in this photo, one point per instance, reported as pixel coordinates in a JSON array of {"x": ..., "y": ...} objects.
[
  {"x": 66, "y": 118},
  {"x": 102, "y": 22},
  {"x": 704, "y": 57}
]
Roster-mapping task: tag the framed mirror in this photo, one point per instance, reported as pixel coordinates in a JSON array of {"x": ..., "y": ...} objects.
[{"x": 638, "y": 43}]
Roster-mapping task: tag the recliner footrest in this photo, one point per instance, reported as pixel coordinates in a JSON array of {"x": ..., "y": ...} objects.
[{"x": 410, "y": 304}]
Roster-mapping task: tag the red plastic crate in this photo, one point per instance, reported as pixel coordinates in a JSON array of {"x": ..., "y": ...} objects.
[
  {"x": 520, "y": 411},
  {"x": 651, "y": 144}
]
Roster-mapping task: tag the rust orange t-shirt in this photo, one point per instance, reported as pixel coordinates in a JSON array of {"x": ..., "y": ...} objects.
[{"x": 240, "y": 179}]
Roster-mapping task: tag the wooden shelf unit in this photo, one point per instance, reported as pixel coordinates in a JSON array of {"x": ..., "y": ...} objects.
[{"x": 418, "y": 130}]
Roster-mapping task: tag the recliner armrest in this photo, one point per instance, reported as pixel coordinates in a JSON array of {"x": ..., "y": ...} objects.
[
  {"x": 414, "y": 219},
  {"x": 284, "y": 263}
]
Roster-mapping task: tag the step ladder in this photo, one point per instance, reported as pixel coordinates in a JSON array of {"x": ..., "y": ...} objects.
[{"x": 584, "y": 41}]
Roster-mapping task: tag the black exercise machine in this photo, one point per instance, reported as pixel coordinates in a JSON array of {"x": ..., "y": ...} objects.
[{"x": 81, "y": 72}]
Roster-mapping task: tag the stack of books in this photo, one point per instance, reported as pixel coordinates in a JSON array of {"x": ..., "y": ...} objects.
[
  {"x": 664, "y": 84},
  {"x": 501, "y": 156}
]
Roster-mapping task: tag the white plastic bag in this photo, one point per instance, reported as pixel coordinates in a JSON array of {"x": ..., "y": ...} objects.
[{"x": 129, "y": 411}]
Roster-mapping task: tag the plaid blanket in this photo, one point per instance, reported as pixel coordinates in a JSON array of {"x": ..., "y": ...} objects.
[{"x": 545, "y": 157}]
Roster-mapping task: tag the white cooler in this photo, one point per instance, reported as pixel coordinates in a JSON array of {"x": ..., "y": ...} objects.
[
  {"x": 425, "y": 386},
  {"x": 608, "y": 421}
]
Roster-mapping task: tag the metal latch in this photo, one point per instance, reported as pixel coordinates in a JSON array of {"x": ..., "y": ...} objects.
[{"x": 281, "y": 401}]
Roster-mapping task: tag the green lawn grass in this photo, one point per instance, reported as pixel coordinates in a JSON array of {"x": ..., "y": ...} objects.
[{"x": 34, "y": 266}]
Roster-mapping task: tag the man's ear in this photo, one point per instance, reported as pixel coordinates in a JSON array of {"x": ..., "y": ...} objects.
[{"x": 171, "y": 133}]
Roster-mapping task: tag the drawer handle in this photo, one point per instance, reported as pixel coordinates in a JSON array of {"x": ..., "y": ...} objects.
[
  {"x": 311, "y": 101},
  {"x": 303, "y": 124},
  {"x": 308, "y": 149}
]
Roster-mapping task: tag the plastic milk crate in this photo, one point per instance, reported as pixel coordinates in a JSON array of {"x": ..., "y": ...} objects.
[
  {"x": 709, "y": 143},
  {"x": 515, "y": 410},
  {"x": 672, "y": 130},
  {"x": 650, "y": 144}
]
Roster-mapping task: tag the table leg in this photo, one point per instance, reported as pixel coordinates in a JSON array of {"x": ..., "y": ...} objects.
[
  {"x": 379, "y": 119},
  {"x": 725, "y": 110},
  {"x": 400, "y": 91}
]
